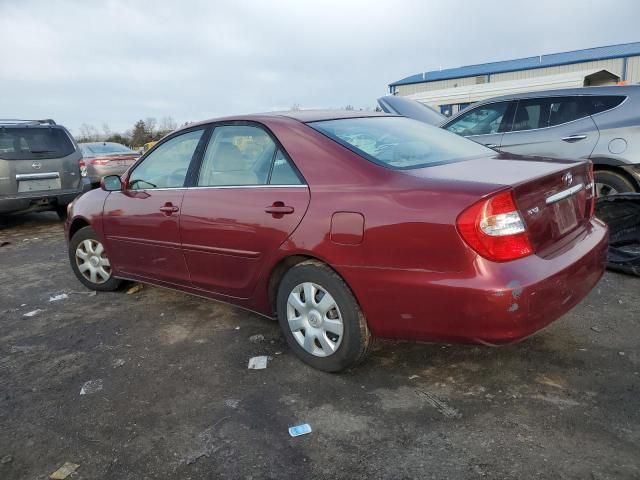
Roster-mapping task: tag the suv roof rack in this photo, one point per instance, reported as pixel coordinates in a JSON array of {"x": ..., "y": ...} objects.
[{"x": 26, "y": 123}]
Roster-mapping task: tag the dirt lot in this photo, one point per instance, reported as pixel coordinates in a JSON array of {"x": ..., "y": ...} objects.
[{"x": 177, "y": 399}]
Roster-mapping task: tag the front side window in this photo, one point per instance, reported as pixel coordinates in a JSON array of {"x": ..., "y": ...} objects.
[
  {"x": 399, "y": 142},
  {"x": 237, "y": 155},
  {"x": 483, "y": 120},
  {"x": 167, "y": 165}
]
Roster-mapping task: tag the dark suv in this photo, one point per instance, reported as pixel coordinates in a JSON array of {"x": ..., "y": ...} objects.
[{"x": 40, "y": 167}]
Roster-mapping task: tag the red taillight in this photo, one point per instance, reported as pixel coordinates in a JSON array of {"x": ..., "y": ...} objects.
[
  {"x": 83, "y": 168},
  {"x": 99, "y": 161},
  {"x": 494, "y": 228}
]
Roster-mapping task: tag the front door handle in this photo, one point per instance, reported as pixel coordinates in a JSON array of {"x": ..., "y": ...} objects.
[
  {"x": 169, "y": 209},
  {"x": 279, "y": 209},
  {"x": 491, "y": 145},
  {"x": 573, "y": 138}
]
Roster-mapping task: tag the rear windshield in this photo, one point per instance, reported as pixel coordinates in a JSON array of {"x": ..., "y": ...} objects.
[
  {"x": 399, "y": 142},
  {"x": 104, "y": 148},
  {"x": 28, "y": 143}
]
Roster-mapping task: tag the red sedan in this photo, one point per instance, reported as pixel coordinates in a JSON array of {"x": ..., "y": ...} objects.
[{"x": 348, "y": 226}]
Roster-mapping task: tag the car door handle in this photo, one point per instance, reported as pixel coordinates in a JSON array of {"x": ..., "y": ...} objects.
[
  {"x": 279, "y": 208},
  {"x": 573, "y": 138},
  {"x": 168, "y": 209},
  {"x": 491, "y": 145}
]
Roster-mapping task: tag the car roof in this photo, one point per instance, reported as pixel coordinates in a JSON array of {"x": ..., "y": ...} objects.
[
  {"x": 299, "y": 115},
  {"x": 608, "y": 90}
]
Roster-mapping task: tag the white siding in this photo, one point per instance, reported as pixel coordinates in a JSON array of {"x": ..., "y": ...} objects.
[
  {"x": 633, "y": 70},
  {"x": 437, "y": 85}
]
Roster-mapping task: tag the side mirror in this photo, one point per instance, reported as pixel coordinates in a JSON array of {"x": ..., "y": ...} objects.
[{"x": 111, "y": 183}]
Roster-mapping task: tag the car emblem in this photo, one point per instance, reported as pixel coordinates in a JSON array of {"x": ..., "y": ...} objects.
[
  {"x": 567, "y": 178},
  {"x": 36, "y": 165}
]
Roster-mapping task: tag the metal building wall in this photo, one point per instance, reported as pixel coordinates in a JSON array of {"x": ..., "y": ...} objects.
[
  {"x": 614, "y": 65},
  {"x": 633, "y": 70}
]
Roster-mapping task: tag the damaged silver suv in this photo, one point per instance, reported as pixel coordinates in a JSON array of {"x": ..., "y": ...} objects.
[{"x": 40, "y": 167}]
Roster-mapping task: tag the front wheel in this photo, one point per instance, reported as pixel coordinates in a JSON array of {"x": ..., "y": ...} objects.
[
  {"x": 90, "y": 263},
  {"x": 320, "y": 318}
]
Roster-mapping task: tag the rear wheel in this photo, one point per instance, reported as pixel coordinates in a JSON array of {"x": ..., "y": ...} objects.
[
  {"x": 320, "y": 318},
  {"x": 610, "y": 183},
  {"x": 90, "y": 263}
]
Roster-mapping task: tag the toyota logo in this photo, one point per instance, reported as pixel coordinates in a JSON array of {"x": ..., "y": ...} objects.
[
  {"x": 36, "y": 165},
  {"x": 567, "y": 178}
]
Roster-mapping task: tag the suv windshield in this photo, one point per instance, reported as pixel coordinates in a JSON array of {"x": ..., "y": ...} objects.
[
  {"x": 27, "y": 143},
  {"x": 399, "y": 142},
  {"x": 104, "y": 148}
]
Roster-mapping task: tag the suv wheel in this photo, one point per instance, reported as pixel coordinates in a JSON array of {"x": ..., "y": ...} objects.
[
  {"x": 90, "y": 263},
  {"x": 610, "y": 183},
  {"x": 320, "y": 318}
]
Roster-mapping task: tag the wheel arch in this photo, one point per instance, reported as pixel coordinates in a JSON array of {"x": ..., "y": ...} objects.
[
  {"x": 77, "y": 224},
  {"x": 601, "y": 165}
]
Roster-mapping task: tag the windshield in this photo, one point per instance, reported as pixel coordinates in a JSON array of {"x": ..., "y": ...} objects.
[
  {"x": 104, "y": 148},
  {"x": 32, "y": 142},
  {"x": 398, "y": 142}
]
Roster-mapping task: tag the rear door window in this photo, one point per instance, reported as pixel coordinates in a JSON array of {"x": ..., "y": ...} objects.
[
  {"x": 482, "y": 120},
  {"x": 34, "y": 143},
  {"x": 546, "y": 112}
]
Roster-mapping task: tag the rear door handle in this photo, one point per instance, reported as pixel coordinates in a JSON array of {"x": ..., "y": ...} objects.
[
  {"x": 279, "y": 208},
  {"x": 491, "y": 145},
  {"x": 574, "y": 138}
]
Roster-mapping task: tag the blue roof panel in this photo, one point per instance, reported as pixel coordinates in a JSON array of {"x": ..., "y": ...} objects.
[{"x": 554, "y": 59}]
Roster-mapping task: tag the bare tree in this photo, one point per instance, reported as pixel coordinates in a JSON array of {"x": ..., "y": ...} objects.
[
  {"x": 150, "y": 124},
  {"x": 349, "y": 108},
  {"x": 167, "y": 124},
  {"x": 88, "y": 133},
  {"x": 295, "y": 107}
]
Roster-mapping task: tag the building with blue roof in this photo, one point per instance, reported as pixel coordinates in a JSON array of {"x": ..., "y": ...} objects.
[{"x": 591, "y": 66}]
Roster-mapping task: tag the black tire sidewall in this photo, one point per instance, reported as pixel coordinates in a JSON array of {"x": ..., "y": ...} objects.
[
  {"x": 87, "y": 233},
  {"x": 351, "y": 348},
  {"x": 615, "y": 180}
]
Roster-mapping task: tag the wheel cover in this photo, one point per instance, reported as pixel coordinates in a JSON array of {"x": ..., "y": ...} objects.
[
  {"x": 92, "y": 261},
  {"x": 602, "y": 190},
  {"x": 314, "y": 319}
]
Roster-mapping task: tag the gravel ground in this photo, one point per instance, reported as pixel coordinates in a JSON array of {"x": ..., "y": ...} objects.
[{"x": 171, "y": 396}]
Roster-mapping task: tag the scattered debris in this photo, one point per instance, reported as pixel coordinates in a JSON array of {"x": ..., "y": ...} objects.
[
  {"x": 57, "y": 298},
  {"x": 237, "y": 328},
  {"x": 23, "y": 305},
  {"x": 232, "y": 402},
  {"x": 118, "y": 362},
  {"x": 278, "y": 353},
  {"x": 33, "y": 313},
  {"x": 64, "y": 471},
  {"x": 258, "y": 363},
  {"x": 6, "y": 459},
  {"x": 414, "y": 376},
  {"x": 300, "y": 430},
  {"x": 439, "y": 405},
  {"x": 621, "y": 354},
  {"x": 92, "y": 386},
  {"x": 256, "y": 338},
  {"x": 596, "y": 329},
  {"x": 554, "y": 381},
  {"x": 135, "y": 289}
]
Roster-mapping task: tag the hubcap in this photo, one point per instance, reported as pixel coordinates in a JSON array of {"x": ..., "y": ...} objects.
[
  {"x": 602, "y": 190},
  {"x": 315, "y": 319},
  {"x": 92, "y": 261}
]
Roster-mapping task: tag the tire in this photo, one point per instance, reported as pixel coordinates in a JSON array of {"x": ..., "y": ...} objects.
[
  {"x": 85, "y": 242},
  {"x": 608, "y": 183},
  {"x": 61, "y": 210},
  {"x": 316, "y": 338}
]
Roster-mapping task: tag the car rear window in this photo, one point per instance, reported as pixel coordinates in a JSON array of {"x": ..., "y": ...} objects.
[
  {"x": 104, "y": 148},
  {"x": 27, "y": 143},
  {"x": 398, "y": 142}
]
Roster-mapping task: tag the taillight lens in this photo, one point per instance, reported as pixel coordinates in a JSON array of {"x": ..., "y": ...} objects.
[
  {"x": 590, "y": 189},
  {"x": 83, "y": 168},
  {"x": 495, "y": 229}
]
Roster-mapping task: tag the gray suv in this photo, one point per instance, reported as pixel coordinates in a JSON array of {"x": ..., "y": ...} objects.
[
  {"x": 597, "y": 123},
  {"x": 40, "y": 167}
]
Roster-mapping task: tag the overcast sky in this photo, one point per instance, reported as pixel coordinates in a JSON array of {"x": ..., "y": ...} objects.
[{"x": 119, "y": 61}]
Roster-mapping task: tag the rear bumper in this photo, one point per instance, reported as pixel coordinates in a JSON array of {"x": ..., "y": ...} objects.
[
  {"x": 35, "y": 201},
  {"x": 493, "y": 303}
]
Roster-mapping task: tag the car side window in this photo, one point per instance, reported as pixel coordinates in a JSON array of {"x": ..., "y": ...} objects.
[
  {"x": 603, "y": 103},
  {"x": 282, "y": 172},
  {"x": 482, "y": 120},
  {"x": 237, "y": 155},
  {"x": 167, "y": 165},
  {"x": 548, "y": 112}
]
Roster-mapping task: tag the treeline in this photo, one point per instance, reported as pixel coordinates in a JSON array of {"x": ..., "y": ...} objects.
[{"x": 143, "y": 131}]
